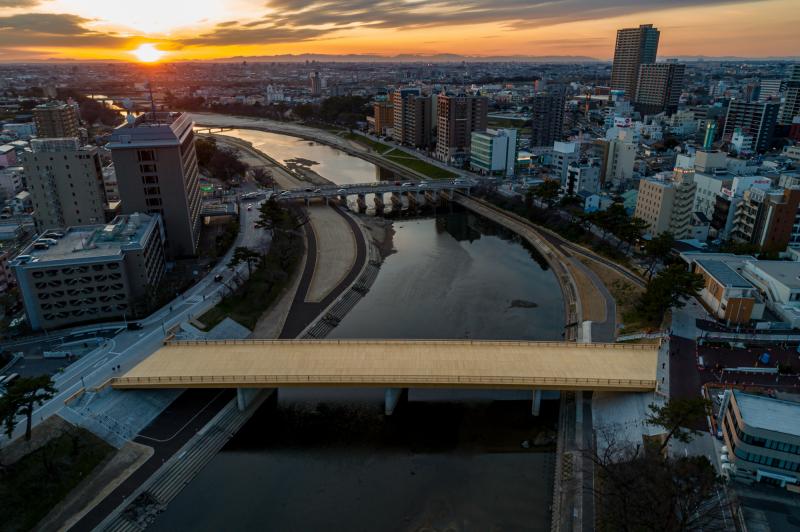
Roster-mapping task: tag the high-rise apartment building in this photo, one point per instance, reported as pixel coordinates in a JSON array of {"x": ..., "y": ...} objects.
[
  {"x": 765, "y": 218},
  {"x": 56, "y": 120},
  {"x": 755, "y": 119},
  {"x": 65, "y": 180},
  {"x": 659, "y": 87},
  {"x": 770, "y": 89},
  {"x": 791, "y": 105},
  {"x": 315, "y": 83},
  {"x": 665, "y": 203},
  {"x": 634, "y": 47},
  {"x": 619, "y": 161},
  {"x": 458, "y": 116},
  {"x": 156, "y": 167},
  {"x": 412, "y": 117},
  {"x": 547, "y": 124},
  {"x": 384, "y": 117}
]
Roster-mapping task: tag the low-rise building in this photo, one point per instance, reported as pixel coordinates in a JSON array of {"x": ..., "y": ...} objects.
[
  {"x": 582, "y": 177},
  {"x": 762, "y": 436},
  {"x": 779, "y": 284},
  {"x": 727, "y": 294},
  {"x": 91, "y": 273}
]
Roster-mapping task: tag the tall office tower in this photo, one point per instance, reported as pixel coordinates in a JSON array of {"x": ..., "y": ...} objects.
[
  {"x": 315, "y": 83},
  {"x": 659, "y": 88},
  {"x": 156, "y": 166},
  {"x": 547, "y": 125},
  {"x": 66, "y": 183},
  {"x": 791, "y": 106},
  {"x": 56, "y": 120},
  {"x": 635, "y": 47},
  {"x": 412, "y": 117},
  {"x": 458, "y": 116},
  {"x": 755, "y": 119}
]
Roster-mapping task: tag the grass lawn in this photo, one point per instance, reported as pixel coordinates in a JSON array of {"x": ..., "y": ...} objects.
[
  {"x": 379, "y": 147},
  {"x": 263, "y": 287},
  {"x": 418, "y": 165},
  {"x": 30, "y": 487}
]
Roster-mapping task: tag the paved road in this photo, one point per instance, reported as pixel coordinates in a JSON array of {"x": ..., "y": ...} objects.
[
  {"x": 130, "y": 347},
  {"x": 167, "y": 434},
  {"x": 302, "y": 312}
]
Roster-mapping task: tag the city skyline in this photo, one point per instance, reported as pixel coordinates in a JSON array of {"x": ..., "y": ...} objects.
[{"x": 32, "y": 30}]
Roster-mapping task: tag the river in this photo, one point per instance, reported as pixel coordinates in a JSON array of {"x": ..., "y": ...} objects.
[
  {"x": 323, "y": 459},
  {"x": 328, "y": 162}
]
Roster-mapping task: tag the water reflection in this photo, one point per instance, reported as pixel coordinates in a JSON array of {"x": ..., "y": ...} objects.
[{"x": 457, "y": 275}]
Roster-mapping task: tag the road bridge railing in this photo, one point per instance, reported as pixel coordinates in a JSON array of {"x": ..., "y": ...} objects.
[{"x": 380, "y": 381}]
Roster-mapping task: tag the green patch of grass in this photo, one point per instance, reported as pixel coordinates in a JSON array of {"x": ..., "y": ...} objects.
[
  {"x": 379, "y": 147},
  {"x": 30, "y": 487},
  {"x": 264, "y": 286},
  {"x": 418, "y": 165}
]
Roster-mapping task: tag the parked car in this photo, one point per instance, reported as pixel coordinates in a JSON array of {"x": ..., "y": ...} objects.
[{"x": 218, "y": 278}]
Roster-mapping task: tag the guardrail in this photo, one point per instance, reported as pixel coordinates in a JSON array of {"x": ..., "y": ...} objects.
[{"x": 378, "y": 380}]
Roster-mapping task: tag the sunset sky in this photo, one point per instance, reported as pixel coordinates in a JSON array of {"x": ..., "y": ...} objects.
[{"x": 207, "y": 29}]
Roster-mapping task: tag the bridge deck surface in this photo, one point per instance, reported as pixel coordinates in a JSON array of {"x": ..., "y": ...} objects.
[{"x": 394, "y": 363}]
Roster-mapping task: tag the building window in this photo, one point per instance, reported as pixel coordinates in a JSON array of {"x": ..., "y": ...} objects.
[{"x": 146, "y": 155}]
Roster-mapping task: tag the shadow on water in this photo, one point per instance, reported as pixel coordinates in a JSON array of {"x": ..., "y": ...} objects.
[{"x": 331, "y": 460}]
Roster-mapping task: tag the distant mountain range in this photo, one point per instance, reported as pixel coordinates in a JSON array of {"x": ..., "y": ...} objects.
[
  {"x": 412, "y": 58},
  {"x": 434, "y": 58},
  {"x": 693, "y": 58}
]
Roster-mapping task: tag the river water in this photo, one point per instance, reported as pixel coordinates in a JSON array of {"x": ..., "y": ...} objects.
[
  {"x": 328, "y": 162},
  {"x": 324, "y": 459}
]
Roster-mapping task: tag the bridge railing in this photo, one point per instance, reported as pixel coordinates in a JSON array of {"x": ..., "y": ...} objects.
[
  {"x": 380, "y": 380},
  {"x": 479, "y": 343}
]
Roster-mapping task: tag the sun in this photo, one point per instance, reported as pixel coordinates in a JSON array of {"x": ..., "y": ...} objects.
[{"x": 148, "y": 53}]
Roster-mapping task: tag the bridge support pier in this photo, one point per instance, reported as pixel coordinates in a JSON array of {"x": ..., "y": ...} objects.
[
  {"x": 412, "y": 200},
  {"x": 343, "y": 200},
  {"x": 362, "y": 202},
  {"x": 379, "y": 204},
  {"x": 392, "y": 397},
  {"x": 245, "y": 396},
  {"x": 536, "y": 402},
  {"x": 397, "y": 201},
  {"x": 307, "y": 201}
]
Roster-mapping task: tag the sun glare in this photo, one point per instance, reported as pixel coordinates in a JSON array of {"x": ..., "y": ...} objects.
[{"x": 148, "y": 53}]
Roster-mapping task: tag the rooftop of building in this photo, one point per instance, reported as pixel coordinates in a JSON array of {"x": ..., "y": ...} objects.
[
  {"x": 53, "y": 104},
  {"x": 90, "y": 241},
  {"x": 766, "y": 413},
  {"x": 151, "y": 130},
  {"x": 723, "y": 273},
  {"x": 784, "y": 271}
]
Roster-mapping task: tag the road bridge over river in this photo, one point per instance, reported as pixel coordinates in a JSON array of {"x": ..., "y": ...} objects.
[
  {"x": 414, "y": 191},
  {"x": 397, "y": 365}
]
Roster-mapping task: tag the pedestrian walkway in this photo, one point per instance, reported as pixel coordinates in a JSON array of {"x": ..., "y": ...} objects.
[{"x": 155, "y": 493}]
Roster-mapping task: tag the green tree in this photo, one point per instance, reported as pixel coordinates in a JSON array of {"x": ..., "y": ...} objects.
[
  {"x": 677, "y": 417},
  {"x": 205, "y": 147},
  {"x": 657, "y": 249},
  {"x": 22, "y": 396},
  {"x": 670, "y": 288},
  {"x": 547, "y": 191},
  {"x": 242, "y": 254},
  {"x": 262, "y": 176},
  {"x": 225, "y": 164},
  {"x": 632, "y": 230}
]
